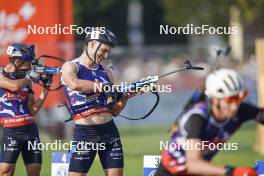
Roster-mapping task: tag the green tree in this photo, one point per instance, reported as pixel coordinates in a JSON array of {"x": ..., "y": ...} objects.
[
  {"x": 215, "y": 12},
  {"x": 108, "y": 13}
]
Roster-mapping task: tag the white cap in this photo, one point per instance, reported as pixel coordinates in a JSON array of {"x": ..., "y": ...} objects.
[{"x": 223, "y": 83}]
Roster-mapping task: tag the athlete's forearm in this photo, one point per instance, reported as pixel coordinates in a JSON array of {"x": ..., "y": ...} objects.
[
  {"x": 39, "y": 102},
  {"x": 84, "y": 86},
  {"x": 203, "y": 167},
  {"x": 21, "y": 83},
  {"x": 14, "y": 85},
  {"x": 70, "y": 78},
  {"x": 120, "y": 105}
]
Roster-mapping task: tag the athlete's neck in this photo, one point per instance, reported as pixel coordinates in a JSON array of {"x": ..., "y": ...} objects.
[{"x": 87, "y": 61}]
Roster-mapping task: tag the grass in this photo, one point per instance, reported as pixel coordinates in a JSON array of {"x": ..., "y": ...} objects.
[
  {"x": 245, "y": 155},
  {"x": 141, "y": 141}
]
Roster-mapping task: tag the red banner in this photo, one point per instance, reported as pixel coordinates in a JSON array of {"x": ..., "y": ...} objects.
[{"x": 37, "y": 22}]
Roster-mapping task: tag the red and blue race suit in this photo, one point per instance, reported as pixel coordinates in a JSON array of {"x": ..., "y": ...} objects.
[
  {"x": 19, "y": 128},
  {"x": 82, "y": 106},
  {"x": 80, "y": 103},
  {"x": 13, "y": 108}
]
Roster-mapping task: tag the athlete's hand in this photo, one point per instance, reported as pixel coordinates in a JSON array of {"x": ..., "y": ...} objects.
[
  {"x": 46, "y": 80},
  {"x": 106, "y": 87},
  {"x": 111, "y": 91},
  {"x": 132, "y": 94},
  {"x": 33, "y": 76}
]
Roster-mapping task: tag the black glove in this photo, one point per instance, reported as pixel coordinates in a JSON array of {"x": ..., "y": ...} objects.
[
  {"x": 34, "y": 76},
  {"x": 117, "y": 96},
  {"x": 46, "y": 80},
  {"x": 109, "y": 91}
]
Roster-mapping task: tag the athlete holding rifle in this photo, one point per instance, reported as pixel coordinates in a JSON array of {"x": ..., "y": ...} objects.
[{"x": 18, "y": 109}]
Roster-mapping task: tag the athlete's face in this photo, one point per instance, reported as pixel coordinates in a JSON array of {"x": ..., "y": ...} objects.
[
  {"x": 20, "y": 65},
  {"x": 228, "y": 109},
  {"x": 102, "y": 52},
  {"x": 26, "y": 65}
]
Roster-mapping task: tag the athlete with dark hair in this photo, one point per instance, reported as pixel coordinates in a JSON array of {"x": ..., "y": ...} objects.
[
  {"x": 212, "y": 120},
  {"x": 92, "y": 114},
  {"x": 17, "y": 111}
]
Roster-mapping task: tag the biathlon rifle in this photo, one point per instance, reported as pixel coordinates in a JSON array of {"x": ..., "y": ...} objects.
[{"x": 147, "y": 81}]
